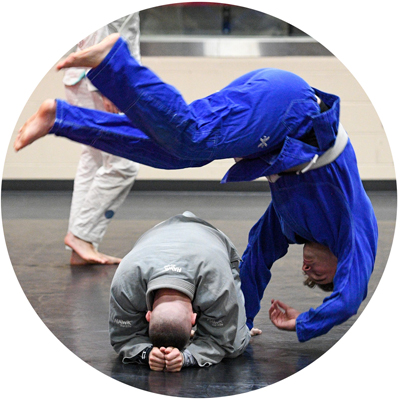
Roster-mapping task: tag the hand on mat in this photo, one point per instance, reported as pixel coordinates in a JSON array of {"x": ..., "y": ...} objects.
[{"x": 283, "y": 316}]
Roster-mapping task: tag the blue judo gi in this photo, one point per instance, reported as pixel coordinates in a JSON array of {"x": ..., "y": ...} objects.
[{"x": 264, "y": 118}]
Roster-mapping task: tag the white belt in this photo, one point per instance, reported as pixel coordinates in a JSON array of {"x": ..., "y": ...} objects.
[{"x": 319, "y": 161}]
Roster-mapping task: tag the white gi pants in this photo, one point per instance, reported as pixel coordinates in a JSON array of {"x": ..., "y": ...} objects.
[{"x": 102, "y": 181}]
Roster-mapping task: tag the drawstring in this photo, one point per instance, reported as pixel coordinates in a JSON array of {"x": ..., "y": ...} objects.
[{"x": 309, "y": 165}]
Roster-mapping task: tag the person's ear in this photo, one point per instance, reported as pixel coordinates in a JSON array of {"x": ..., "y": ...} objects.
[
  {"x": 148, "y": 316},
  {"x": 193, "y": 320}
]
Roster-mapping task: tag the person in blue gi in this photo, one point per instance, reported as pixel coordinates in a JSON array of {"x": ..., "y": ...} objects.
[{"x": 274, "y": 125}]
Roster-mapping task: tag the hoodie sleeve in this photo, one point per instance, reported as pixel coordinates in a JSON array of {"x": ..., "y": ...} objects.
[
  {"x": 216, "y": 326},
  {"x": 128, "y": 327},
  {"x": 221, "y": 322}
]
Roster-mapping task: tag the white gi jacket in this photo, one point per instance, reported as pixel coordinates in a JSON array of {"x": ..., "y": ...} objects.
[{"x": 190, "y": 255}]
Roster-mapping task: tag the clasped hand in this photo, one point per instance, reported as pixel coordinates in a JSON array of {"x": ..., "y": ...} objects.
[{"x": 165, "y": 358}]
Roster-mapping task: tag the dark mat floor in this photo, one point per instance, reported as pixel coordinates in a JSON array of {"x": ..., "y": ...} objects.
[{"x": 73, "y": 301}]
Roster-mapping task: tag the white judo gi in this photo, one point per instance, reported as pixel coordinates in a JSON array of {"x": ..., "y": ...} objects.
[{"x": 102, "y": 180}]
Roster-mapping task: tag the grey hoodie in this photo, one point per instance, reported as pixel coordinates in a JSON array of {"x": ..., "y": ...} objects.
[{"x": 188, "y": 254}]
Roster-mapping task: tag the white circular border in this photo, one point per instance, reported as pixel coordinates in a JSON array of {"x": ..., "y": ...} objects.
[{"x": 363, "y": 37}]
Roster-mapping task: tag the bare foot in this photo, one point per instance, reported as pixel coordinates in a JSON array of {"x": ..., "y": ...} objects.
[
  {"x": 76, "y": 259},
  {"x": 90, "y": 57},
  {"x": 255, "y": 332},
  {"x": 84, "y": 253},
  {"x": 37, "y": 126}
]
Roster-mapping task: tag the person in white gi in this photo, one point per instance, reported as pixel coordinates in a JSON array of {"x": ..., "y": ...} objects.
[
  {"x": 102, "y": 180},
  {"x": 180, "y": 273}
]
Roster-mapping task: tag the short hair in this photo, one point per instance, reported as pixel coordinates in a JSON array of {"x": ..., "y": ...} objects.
[
  {"x": 168, "y": 333},
  {"x": 326, "y": 287}
]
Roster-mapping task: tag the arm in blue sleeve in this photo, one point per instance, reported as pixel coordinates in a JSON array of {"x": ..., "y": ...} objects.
[
  {"x": 266, "y": 244},
  {"x": 351, "y": 285}
]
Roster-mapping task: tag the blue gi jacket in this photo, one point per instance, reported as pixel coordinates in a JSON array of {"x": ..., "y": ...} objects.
[{"x": 326, "y": 205}]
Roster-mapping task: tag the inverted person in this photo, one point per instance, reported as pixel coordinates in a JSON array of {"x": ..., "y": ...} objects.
[{"x": 276, "y": 126}]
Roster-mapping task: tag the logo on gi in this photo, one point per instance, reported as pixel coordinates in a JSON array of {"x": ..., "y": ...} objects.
[
  {"x": 172, "y": 267},
  {"x": 122, "y": 323},
  {"x": 264, "y": 141},
  {"x": 214, "y": 322}
]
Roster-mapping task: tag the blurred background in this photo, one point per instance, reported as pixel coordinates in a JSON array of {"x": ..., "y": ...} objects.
[{"x": 199, "y": 48}]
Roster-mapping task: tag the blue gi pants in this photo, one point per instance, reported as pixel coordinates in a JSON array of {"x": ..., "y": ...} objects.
[{"x": 253, "y": 113}]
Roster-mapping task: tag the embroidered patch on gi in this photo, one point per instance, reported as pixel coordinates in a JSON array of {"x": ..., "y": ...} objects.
[
  {"x": 215, "y": 322},
  {"x": 264, "y": 141},
  {"x": 109, "y": 214},
  {"x": 122, "y": 323}
]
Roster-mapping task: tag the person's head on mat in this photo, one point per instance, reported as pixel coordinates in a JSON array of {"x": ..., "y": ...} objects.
[
  {"x": 319, "y": 265},
  {"x": 171, "y": 319}
]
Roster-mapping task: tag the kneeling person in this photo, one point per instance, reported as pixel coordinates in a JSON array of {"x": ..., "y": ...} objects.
[{"x": 182, "y": 272}]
